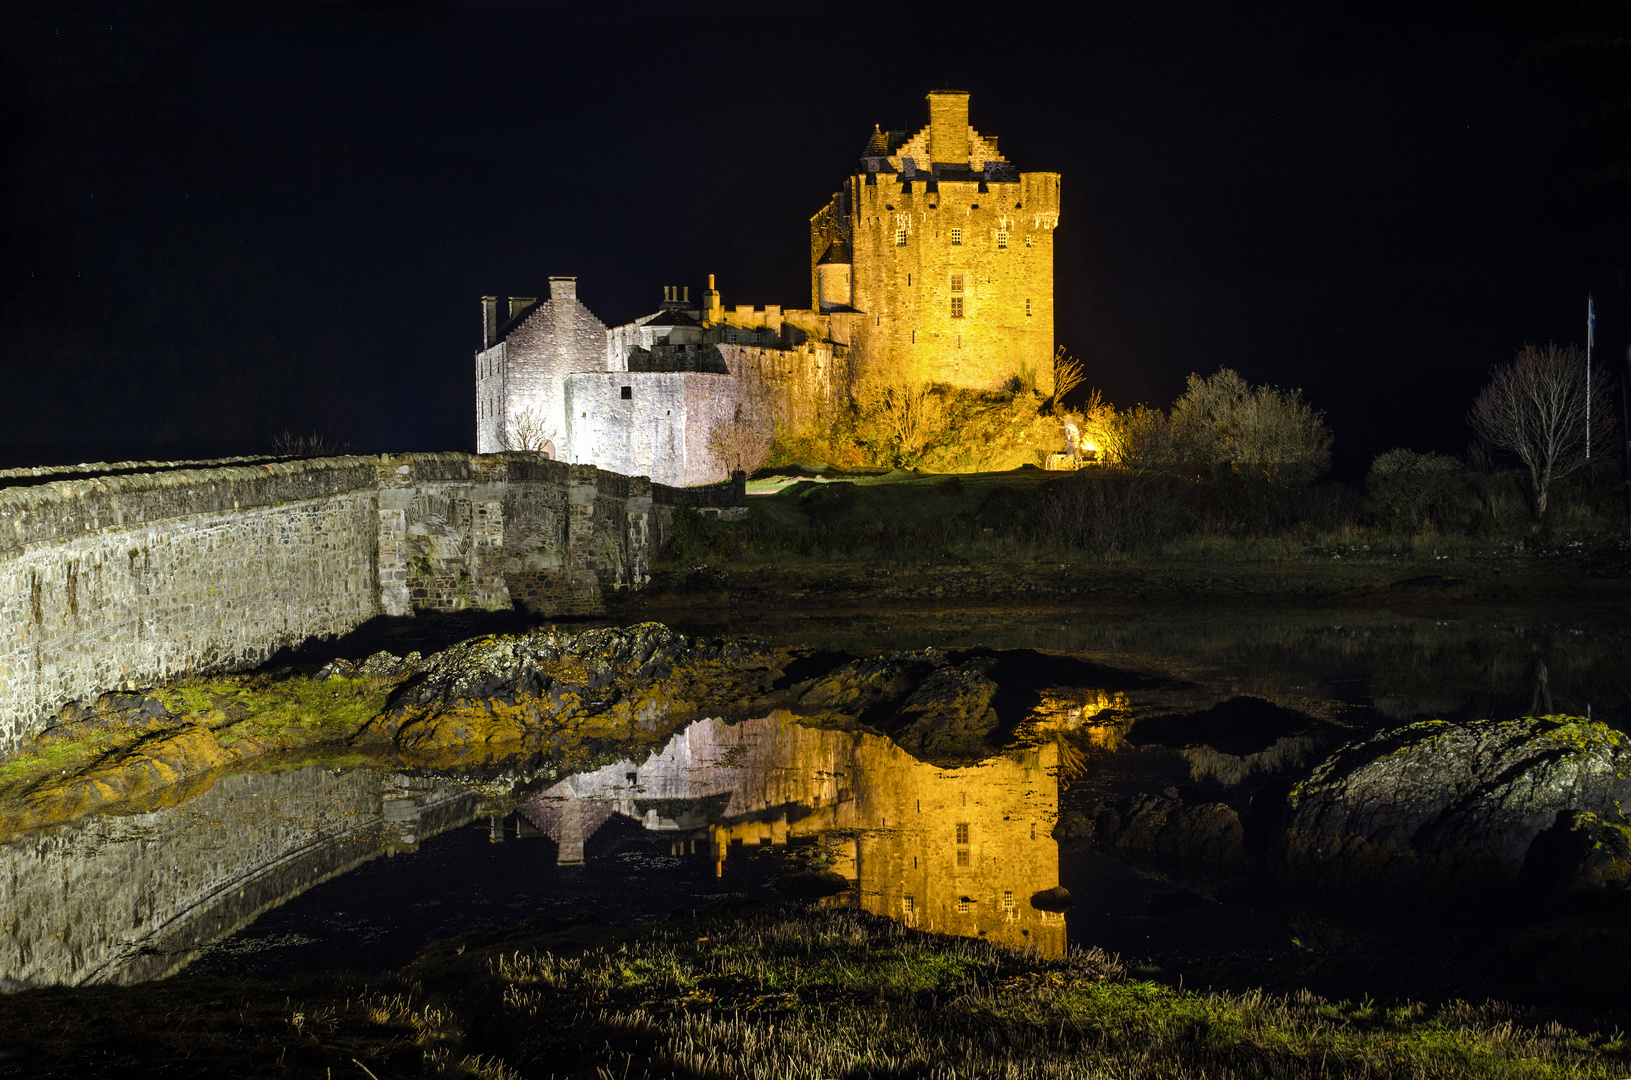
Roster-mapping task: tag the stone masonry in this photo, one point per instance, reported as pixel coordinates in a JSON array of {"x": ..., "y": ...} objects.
[{"x": 130, "y": 578}]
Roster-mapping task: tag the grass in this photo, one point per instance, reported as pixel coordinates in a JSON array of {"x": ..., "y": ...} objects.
[{"x": 812, "y": 993}]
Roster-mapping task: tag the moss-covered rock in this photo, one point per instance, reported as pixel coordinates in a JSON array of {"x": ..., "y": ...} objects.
[
  {"x": 570, "y": 696},
  {"x": 1452, "y": 812}
]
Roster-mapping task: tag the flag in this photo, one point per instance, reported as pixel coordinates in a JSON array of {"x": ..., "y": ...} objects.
[{"x": 1591, "y": 322}]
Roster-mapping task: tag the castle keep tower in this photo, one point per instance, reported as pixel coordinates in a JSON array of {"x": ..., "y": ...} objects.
[{"x": 947, "y": 250}]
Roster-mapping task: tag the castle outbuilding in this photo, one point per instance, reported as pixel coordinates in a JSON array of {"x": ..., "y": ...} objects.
[{"x": 933, "y": 263}]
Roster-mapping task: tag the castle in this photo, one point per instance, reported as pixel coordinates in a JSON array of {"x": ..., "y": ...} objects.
[{"x": 933, "y": 264}]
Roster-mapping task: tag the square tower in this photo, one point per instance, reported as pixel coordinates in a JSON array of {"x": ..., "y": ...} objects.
[{"x": 951, "y": 256}]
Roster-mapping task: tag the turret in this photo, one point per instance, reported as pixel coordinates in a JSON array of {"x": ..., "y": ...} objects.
[{"x": 834, "y": 278}]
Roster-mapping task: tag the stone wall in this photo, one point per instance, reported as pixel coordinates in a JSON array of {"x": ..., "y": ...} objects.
[
  {"x": 122, "y": 898},
  {"x": 131, "y": 579}
]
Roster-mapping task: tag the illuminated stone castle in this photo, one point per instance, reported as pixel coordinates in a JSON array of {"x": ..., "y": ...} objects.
[{"x": 933, "y": 263}]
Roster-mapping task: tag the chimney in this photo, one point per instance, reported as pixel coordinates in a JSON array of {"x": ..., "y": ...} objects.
[
  {"x": 948, "y": 128},
  {"x": 563, "y": 288},
  {"x": 489, "y": 321},
  {"x": 712, "y": 310},
  {"x": 518, "y": 304}
]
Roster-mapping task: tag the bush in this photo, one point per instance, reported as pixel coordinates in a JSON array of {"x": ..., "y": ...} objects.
[{"x": 1410, "y": 491}]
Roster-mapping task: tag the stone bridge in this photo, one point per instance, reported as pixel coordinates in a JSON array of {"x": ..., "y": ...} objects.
[{"x": 115, "y": 576}]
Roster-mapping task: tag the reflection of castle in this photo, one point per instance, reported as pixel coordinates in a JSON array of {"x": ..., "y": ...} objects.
[
  {"x": 955, "y": 851},
  {"x": 933, "y": 262}
]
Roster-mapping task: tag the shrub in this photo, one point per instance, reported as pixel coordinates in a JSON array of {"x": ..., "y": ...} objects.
[{"x": 1411, "y": 490}]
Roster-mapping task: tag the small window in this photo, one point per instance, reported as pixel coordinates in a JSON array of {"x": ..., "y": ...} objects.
[
  {"x": 957, "y": 283},
  {"x": 962, "y": 856},
  {"x": 1007, "y": 901},
  {"x": 1002, "y": 238},
  {"x": 962, "y": 905},
  {"x": 957, "y": 307},
  {"x": 900, "y": 237},
  {"x": 628, "y": 393},
  {"x": 1027, "y": 240},
  {"x": 962, "y": 832},
  {"x": 908, "y": 279},
  {"x": 1027, "y": 307},
  {"x": 730, "y": 337},
  {"x": 957, "y": 236},
  {"x": 909, "y": 904}
]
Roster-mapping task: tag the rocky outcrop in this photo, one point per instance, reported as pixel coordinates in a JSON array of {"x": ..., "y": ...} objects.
[
  {"x": 936, "y": 711},
  {"x": 570, "y": 696},
  {"x": 1203, "y": 836},
  {"x": 1450, "y": 812}
]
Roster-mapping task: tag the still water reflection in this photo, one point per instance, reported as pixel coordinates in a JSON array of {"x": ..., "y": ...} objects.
[
  {"x": 240, "y": 876},
  {"x": 955, "y": 851}
]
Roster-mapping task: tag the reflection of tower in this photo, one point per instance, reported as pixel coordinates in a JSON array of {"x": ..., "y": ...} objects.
[
  {"x": 957, "y": 851},
  {"x": 566, "y": 819}
]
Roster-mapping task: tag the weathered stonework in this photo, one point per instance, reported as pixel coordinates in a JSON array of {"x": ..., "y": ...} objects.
[
  {"x": 123, "y": 898},
  {"x": 122, "y": 580},
  {"x": 934, "y": 263}
]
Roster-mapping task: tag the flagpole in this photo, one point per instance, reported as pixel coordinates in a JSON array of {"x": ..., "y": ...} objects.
[{"x": 1591, "y": 334}]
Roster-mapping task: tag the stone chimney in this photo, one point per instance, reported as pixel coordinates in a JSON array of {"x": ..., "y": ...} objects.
[
  {"x": 712, "y": 310},
  {"x": 518, "y": 304},
  {"x": 948, "y": 128},
  {"x": 489, "y": 321},
  {"x": 563, "y": 288}
]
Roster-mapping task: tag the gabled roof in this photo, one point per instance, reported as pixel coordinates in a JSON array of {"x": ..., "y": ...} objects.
[{"x": 673, "y": 317}]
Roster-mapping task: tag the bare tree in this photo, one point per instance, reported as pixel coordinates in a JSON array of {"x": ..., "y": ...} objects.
[
  {"x": 1067, "y": 373},
  {"x": 1535, "y": 407},
  {"x": 904, "y": 419},
  {"x": 743, "y": 442},
  {"x": 527, "y": 430},
  {"x": 287, "y": 443}
]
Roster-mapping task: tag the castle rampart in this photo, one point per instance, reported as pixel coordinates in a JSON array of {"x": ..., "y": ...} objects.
[{"x": 126, "y": 580}]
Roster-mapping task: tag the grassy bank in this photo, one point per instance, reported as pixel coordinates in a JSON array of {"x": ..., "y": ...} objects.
[
  {"x": 768, "y": 994},
  {"x": 1029, "y": 535}
]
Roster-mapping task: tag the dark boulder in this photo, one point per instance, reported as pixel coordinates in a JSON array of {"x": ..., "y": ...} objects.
[{"x": 1457, "y": 813}]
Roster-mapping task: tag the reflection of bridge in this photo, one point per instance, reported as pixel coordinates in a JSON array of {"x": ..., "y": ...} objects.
[
  {"x": 122, "y": 898},
  {"x": 957, "y": 851}
]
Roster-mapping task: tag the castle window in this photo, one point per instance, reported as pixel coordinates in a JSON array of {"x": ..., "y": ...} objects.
[
  {"x": 1007, "y": 900},
  {"x": 628, "y": 393},
  {"x": 1002, "y": 238},
  {"x": 957, "y": 283},
  {"x": 957, "y": 236},
  {"x": 962, "y": 832},
  {"x": 957, "y": 307},
  {"x": 730, "y": 337},
  {"x": 900, "y": 237},
  {"x": 962, "y": 856},
  {"x": 1027, "y": 307},
  {"x": 1027, "y": 240},
  {"x": 962, "y": 905},
  {"x": 909, "y": 904}
]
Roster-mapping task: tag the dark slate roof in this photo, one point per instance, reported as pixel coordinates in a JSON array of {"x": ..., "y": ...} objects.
[
  {"x": 673, "y": 317},
  {"x": 838, "y": 252},
  {"x": 878, "y": 145}
]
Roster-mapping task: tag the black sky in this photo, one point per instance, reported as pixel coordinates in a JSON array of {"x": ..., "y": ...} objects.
[{"x": 222, "y": 220}]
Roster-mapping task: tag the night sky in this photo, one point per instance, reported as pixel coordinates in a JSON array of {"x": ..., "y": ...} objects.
[{"x": 223, "y": 220}]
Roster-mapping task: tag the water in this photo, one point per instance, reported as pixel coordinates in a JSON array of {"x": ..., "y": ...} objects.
[{"x": 314, "y": 867}]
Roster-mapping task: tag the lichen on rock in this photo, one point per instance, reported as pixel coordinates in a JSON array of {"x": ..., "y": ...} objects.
[
  {"x": 569, "y": 695},
  {"x": 1444, "y": 812}
]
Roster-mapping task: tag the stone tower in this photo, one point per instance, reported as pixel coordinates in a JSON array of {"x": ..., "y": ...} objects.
[{"x": 947, "y": 250}]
